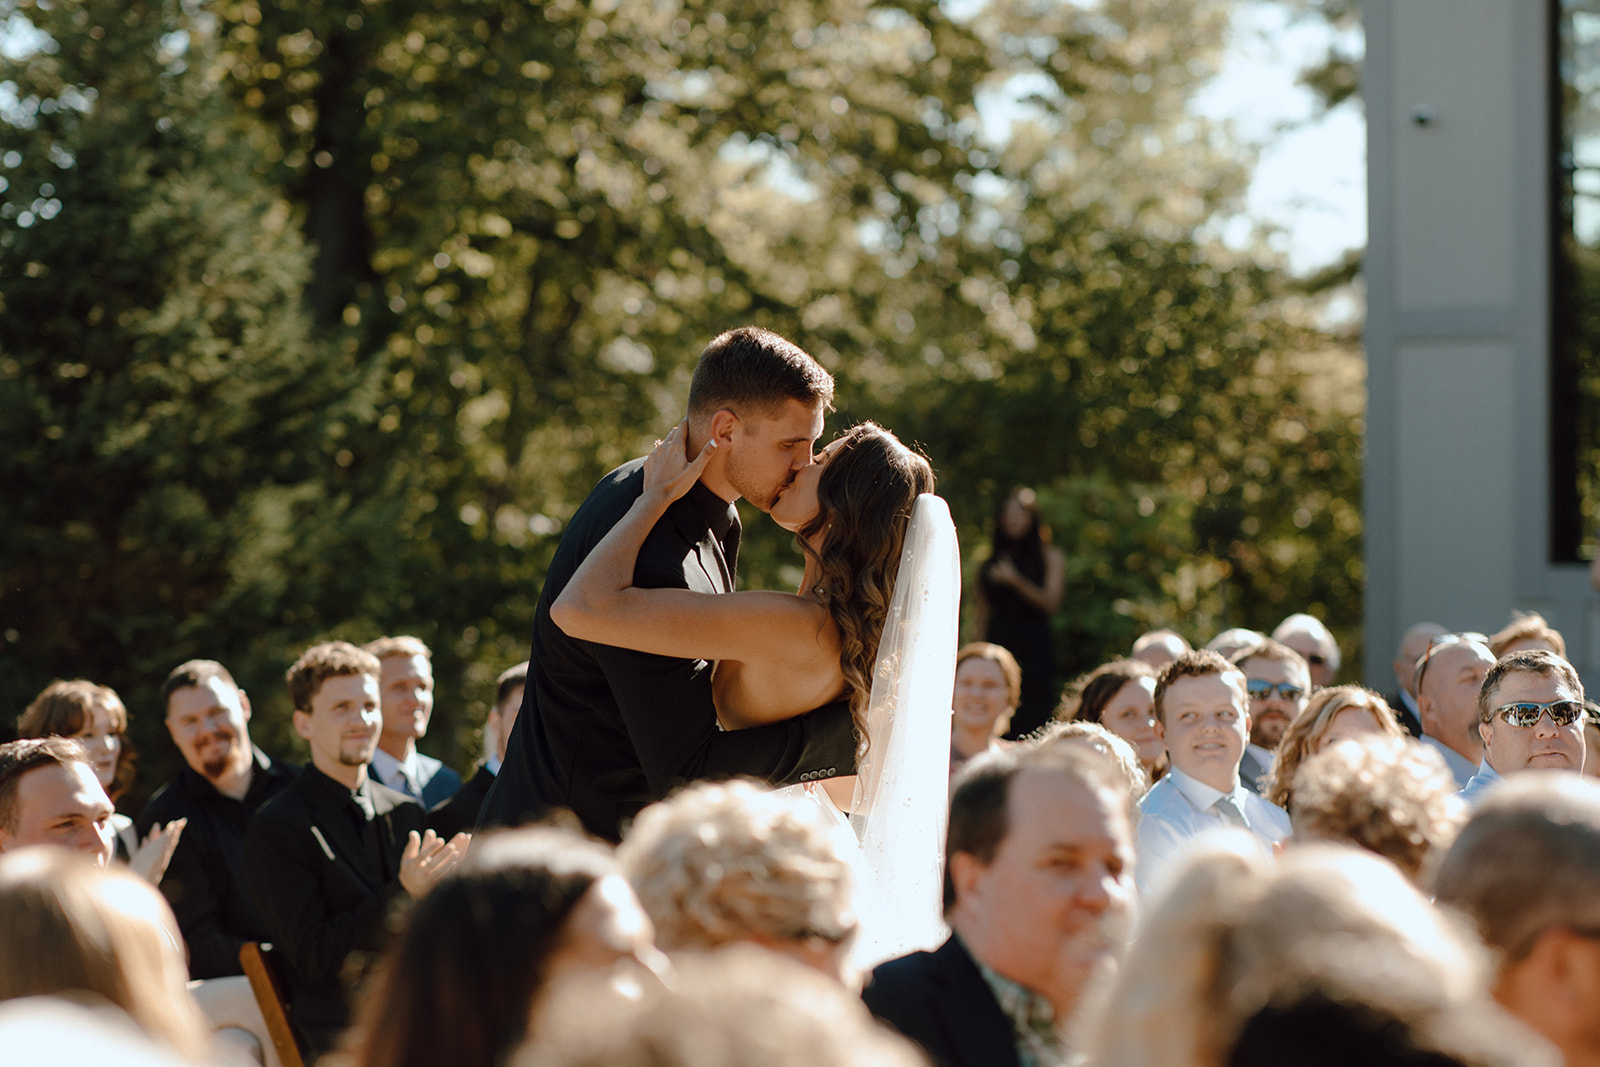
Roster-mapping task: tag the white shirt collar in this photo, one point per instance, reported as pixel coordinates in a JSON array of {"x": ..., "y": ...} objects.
[
  {"x": 1199, "y": 794},
  {"x": 388, "y": 769}
]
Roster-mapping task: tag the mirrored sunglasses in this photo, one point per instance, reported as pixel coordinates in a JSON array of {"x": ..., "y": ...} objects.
[
  {"x": 1260, "y": 690},
  {"x": 1524, "y": 713}
]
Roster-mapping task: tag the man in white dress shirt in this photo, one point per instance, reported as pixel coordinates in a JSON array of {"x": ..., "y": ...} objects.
[
  {"x": 1203, "y": 715},
  {"x": 1449, "y": 676},
  {"x": 1530, "y": 716},
  {"x": 406, "y": 688},
  {"x": 1278, "y": 682}
]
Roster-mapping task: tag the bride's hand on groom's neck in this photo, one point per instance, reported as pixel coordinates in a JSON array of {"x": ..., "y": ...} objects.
[{"x": 668, "y": 471}]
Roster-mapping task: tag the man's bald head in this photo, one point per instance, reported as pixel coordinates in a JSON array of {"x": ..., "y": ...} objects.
[{"x": 1413, "y": 646}]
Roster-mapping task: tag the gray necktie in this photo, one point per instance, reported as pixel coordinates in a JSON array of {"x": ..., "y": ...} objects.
[{"x": 1229, "y": 809}]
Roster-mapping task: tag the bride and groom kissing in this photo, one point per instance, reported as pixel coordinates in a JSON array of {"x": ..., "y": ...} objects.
[{"x": 648, "y": 670}]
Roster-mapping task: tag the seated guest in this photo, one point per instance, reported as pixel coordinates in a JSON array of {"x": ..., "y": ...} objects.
[
  {"x": 1335, "y": 714},
  {"x": 720, "y": 862},
  {"x": 1093, "y": 735},
  {"x": 1228, "y": 642},
  {"x": 224, "y": 780},
  {"x": 1157, "y": 648},
  {"x": 1448, "y": 678},
  {"x": 527, "y": 907},
  {"x": 1530, "y": 716},
  {"x": 1202, "y": 714},
  {"x": 1006, "y": 988},
  {"x": 327, "y": 857},
  {"x": 49, "y": 795},
  {"x": 1526, "y": 633},
  {"x": 72, "y": 930},
  {"x": 1414, "y": 645},
  {"x": 988, "y": 687},
  {"x": 1278, "y": 682},
  {"x": 1526, "y": 870},
  {"x": 460, "y": 812},
  {"x": 406, "y": 686},
  {"x": 1120, "y": 696},
  {"x": 1307, "y": 636},
  {"x": 1388, "y": 795}
]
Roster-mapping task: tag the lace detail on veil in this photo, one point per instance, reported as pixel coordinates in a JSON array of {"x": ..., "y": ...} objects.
[{"x": 902, "y": 784}]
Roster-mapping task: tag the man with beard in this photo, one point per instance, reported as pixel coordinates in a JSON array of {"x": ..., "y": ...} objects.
[
  {"x": 224, "y": 780},
  {"x": 328, "y": 856},
  {"x": 1279, "y": 683}
]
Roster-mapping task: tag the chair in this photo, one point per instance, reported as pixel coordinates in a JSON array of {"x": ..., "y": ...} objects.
[{"x": 266, "y": 983}]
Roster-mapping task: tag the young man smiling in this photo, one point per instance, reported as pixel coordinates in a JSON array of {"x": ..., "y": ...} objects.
[{"x": 1202, "y": 713}]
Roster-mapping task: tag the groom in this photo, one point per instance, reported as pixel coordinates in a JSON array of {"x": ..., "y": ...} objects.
[{"x": 605, "y": 731}]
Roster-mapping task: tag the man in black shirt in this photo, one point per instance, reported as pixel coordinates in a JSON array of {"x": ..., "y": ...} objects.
[
  {"x": 460, "y": 812},
  {"x": 226, "y": 779}
]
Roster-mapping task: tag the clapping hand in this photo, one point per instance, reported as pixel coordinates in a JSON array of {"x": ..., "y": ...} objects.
[
  {"x": 149, "y": 861},
  {"x": 668, "y": 471},
  {"x": 428, "y": 858}
]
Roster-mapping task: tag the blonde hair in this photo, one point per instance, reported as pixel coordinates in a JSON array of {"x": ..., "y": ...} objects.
[
  {"x": 1527, "y": 627},
  {"x": 721, "y": 862},
  {"x": 1388, "y": 795},
  {"x": 1302, "y": 736},
  {"x": 69, "y": 927},
  {"x": 1118, "y": 753},
  {"x": 404, "y": 645},
  {"x": 1001, "y": 657}
]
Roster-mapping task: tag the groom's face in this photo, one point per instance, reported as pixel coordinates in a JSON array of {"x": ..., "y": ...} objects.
[{"x": 766, "y": 448}]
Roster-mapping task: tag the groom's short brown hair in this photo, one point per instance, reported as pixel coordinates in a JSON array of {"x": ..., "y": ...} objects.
[{"x": 755, "y": 369}]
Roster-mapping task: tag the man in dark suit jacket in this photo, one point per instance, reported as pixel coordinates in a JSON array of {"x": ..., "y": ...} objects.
[
  {"x": 605, "y": 731},
  {"x": 460, "y": 812},
  {"x": 1038, "y": 891},
  {"x": 330, "y": 855}
]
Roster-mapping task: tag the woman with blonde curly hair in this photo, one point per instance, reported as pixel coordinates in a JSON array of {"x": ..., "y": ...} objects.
[{"x": 1333, "y": 714}]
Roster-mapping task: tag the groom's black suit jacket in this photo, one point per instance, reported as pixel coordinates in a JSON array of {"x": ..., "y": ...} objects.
[
  {"x": 939, "y": 1000},
  {"x": 605, "y": 731}
]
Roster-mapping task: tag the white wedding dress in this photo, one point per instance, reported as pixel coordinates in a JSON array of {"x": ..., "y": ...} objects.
[{"x": 902, "y": 783}]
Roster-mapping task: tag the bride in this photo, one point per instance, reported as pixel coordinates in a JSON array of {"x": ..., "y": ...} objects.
[{"x": 872, "y": 622}]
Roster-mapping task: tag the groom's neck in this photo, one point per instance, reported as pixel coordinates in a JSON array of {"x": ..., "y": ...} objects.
[{"x": 715, "y": 476}]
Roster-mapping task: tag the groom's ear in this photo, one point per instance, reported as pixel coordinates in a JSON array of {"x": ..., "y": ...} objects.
[{"x": 722, "y": 426}]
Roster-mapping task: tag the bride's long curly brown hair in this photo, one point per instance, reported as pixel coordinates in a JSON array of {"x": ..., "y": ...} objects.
[{"x": 864, "y": 498}]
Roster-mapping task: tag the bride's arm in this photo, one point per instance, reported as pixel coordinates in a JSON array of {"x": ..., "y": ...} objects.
[{"x": 601, "y": 604}]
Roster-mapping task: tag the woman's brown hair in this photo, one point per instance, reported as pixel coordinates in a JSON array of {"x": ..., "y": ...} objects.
[
  {"x": 864, "y": 496},
  {"x": 65, "y": 708}
]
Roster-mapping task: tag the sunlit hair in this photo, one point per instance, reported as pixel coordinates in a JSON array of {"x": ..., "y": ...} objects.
[
  {"x": 317, "y": 664},
  {"x": 19, "y": 757},
  {"x": 720, "y": 862},
  {"x": 1303, "y": 736},
  {"x": 736, "y": 1006},
  {"x": 1276, "y": 651},
  {"x": 458, "y": 983},
  {"x": 511, "y": 679},
  {"x": 1312, "y": 627},
  {"x": 1527, "y": 627},
  {"x": 1085, "y": 699},
  {"x": 194, "y": 673},
  {"x": 1533, "y": 661},
  {"x": 1197, "y": 664},
  {"x": 1000, "y": 657},
  {"x": 754, "y": 370},
  {"x": 402, "y": 645},
  {"x": 1217, "y": 945},
  {"x": 864, "y": 500},
  {"x": 69, "y": 928},
  {"x": 1117, "y": 750},
  {"x": 1528, "y": 860},
  {"x": 64, "y": 709},
  {"x": 1389, "y": 795},
  {"x": 1228, "y": 642}
]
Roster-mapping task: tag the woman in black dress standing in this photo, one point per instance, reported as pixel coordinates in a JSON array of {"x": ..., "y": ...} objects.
[{"x": 1019, "y": 588}]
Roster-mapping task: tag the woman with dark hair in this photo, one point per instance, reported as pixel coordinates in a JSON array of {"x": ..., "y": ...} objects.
[
  {"x": 460, "y": 982},
  {"x": 1019, "y": 588},
  {"x": 1120, "y": 696}
]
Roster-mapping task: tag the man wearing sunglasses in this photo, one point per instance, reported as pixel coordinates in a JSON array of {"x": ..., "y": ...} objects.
[
  {"x": 1530, "y": 716},
  {"x": 1279, "y": 683}
]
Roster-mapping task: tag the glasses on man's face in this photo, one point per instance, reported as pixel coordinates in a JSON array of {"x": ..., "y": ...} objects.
[
  {"x": 1260, "y": 690},
  {"x": 1442, "y": 642},
  {"x": 1525, "y": 713}
]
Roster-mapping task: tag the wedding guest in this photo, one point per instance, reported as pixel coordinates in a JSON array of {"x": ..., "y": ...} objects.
[
  {"x": 49, "y": 795},
  {"x": 460, "y": 812},
  {"x": 328, "y": 856},
  {"x": 1331, "y": 715},
  {"x": 988, "y": 687},
  {"x": 525, "y": 909},
  {"x": 1007, "y": 985},
  {"x": 1307, "y": 636},
  {"x": 1278, "y": 681},
  {"x": 1530, "y": 716},
  {"x": 1591, "y": 738},
  {"x": 1526, "y": 870},
  {"x": 1414, "y": 644},
  {"x": 1158, "y": 648},
  {"x": 406, "y": 687},
  {"x": 1527, "y": 632},
  {"x": 1384, "y": 793},
  {"x": 1019, "y": 589},
  {"x": 1228, "y": 642},
  {"x": 1448, "y": 678},
  {"x": 722, "y": 862},
  {"x": 73, "y": 930},
  {"x": 1203, "y": 716},
  {"x": 224, "y": 781},
  {"x": 1120, "y": 696}
]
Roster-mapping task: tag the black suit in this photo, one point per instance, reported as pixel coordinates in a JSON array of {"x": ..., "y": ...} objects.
[
  {"x": 939, "y": 1000},
  {"x": 1404, "y": 716},
  {"x": 324, "y": 876},
  {"x": 460, "y": 812},
  {"x": 605, "y": 731}
]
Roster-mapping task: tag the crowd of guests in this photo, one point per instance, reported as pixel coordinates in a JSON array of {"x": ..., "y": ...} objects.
[{"x": 1207, "y": 856}]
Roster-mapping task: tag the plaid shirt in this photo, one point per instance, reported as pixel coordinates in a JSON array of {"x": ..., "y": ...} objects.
[{"x": 1033, "y": 1020}]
